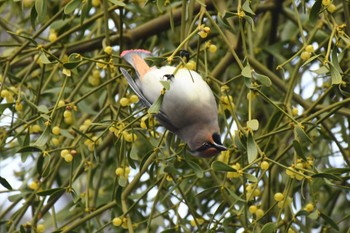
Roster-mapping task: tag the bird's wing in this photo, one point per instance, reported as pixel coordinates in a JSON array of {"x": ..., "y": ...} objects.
[{"x": 162, "y": 117}]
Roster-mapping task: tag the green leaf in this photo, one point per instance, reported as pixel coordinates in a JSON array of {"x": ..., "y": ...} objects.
[
  {"x": 302, "y": 213},
  {"x": 66, "y": 134},
  {"x": 118, "y": 3},
  {"x": 50, "y": 191},
  {"x": 298, "y": 149},
  {"x": 252, "y": 150},
  {"x": 29, "y": 149},
  {"x": 311, "y": 59},
  {"x": 329, "y": 221},
  {"x": 250, "y": 20},
  {"x": 247, "y": 71},
  {"x": 44, "y": 59},
  {"x": 24, "y": 37},
  {"x": 238, "y": 142},
  {"x": 315, "y": 9},
  {"x": 335, "y": 69},
  {"x": 171, "y": 170},
  {"x": 251, "y": 178},
  {"x": 122, "y": 181},
  {"x": 71, "y": 6},
  {"x": 234, "y": 195},
  {"x": 85, "y": 11},
  {"x": 33, "y": 16},
  {"x": 43, "y": 109},
  {"x": 4, "y": 183},
  {"x": 253, "y": 124},
  {"x": 4, "y": 106},
  {"x": 73, "y": 61},
  {"x": 155, "y": 107},
  {"x": 269, "y": 227},
  {"x": 247, "y": 8},
  {"x": 39, "y": 164},
  {"x": 327, "y": 175},
  {"x": 321, "y": 70},
  {"x": 263, "y": 79},
  {"x": 335, "y": 75},
  {"x": 166, "y": 84},
  {"x": 41, "y": 9},
  {"x": 196, "y": 168},
  {"x": 300, "y": 134},
  {"x": 44, "y": 137},
  {"x": 219, "y": 166}
]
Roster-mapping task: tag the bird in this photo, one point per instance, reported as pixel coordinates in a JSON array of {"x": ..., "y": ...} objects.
[{"x": 188, "y": 108}]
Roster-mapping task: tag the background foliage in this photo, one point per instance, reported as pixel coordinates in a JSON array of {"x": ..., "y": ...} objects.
[{"x": 94, "y": 160}]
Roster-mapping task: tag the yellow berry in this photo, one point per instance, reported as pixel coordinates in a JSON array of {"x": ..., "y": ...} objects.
[
  {"x": 331, "y": 8},
  {"x": 27, "y": 3},
  {"x": 290, "y": 230},
  {"x": 309, "y": 48},
  {"x": 52, "y": 36},
  {"x": 61, "y": 103},
  {"x": 253, "y": 209},
  {"x": 19, "y": 106},
  {"x": 34, "y": 185},
  {"x": 87, "y": 122},
  {"x": 212, "y": 48},
  {"x": 326, "y": 2},
  {"x": 127, "y": 170},
  {"x": 125, "y": 223},
  {"x": 10, "y": 98},
  {"x": 117, "y": 221},
  {"x": 68, "y": 120},
  {"x": 64, "y": 153},
  {"x": 5, "y": 93},
  {"x": 40, "y": 228},
  {"x": 256, "y": 192},
  {"x": 169, "y": 178},
  {"x": 206, "y": 29},
  {"x": 199, "y": 221},
  {"x": 119, "y": 171},
  {"x": 100, "y": 64},
  {"x": 295, "y": 112},
  {"x": 55, "y": 141},
  {"x": 278, "y": 196},
  {"x": 124, "y": 102},
  {"x": 280, "y": 204},
  {"x": 67, "y": 113},
  {"x": 94, "y": 80},
  {"x": 96, "y": 3},
  {"x": 305, "y": 55},
  {"x": 191, "y": 65},
  {"x": 264, "y": 165},
  {"x": 108, "y": 50},
  {"x": 259, "y": 213},
  {"x": 56, "y": 130},
  {"x": 35, "y": 128},
  {"x": 203, "y": 34},
  {"x": 134, "y": 99},
  {"x": 68, "y": 158},
  {"x": 309, "y": 207}
]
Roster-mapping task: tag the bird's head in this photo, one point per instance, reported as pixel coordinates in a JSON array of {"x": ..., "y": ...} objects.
[{"x": 210, "y": 146}]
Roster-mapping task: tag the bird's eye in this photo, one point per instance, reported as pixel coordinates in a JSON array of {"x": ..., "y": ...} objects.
[
  {"x": 204, "y": 146},
  {"x": 169, "y": 76}
]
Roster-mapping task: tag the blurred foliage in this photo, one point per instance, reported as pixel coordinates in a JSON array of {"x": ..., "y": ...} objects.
[{"x": 94, "y": 161}]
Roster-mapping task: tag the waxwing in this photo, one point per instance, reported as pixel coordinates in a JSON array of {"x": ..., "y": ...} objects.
[{"x": 188, "y": 108}]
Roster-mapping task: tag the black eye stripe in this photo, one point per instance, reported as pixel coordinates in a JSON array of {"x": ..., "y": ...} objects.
[
  {"x": 216, "y": 138},
  {"x": 204, "y": 147}
]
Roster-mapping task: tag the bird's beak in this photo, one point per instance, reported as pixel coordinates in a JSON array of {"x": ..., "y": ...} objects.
[{"x": 219, "y": 147}]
